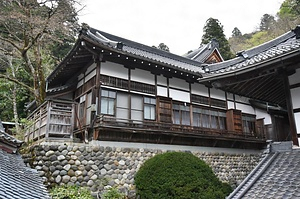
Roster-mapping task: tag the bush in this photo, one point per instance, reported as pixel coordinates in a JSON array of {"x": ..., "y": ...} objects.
[
  {"x": 113, "y": 193},
  {"x": 178, "y": 175},
  {"x": 70, "y": 192}
]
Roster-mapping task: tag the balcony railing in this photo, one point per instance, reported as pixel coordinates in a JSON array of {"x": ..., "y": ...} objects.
[
  {"x": 184, "y": 130},
  {"x": 53, "y": 119}
]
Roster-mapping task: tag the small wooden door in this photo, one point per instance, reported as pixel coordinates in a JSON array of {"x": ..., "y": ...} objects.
[{"x": 164, "y": 109}]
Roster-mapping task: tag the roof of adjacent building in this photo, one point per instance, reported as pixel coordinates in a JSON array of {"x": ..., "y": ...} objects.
[
  {"x": 276, "y": 176},
  {"x": 9, "y": 140},
  {"x": 19, "y": 181},
  {"x": 202, "y": 53},
  {"x": 277, "y": 48}
]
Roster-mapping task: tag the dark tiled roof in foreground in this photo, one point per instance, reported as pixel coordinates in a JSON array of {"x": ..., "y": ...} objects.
[
  {"x": 18, "y": 181},
  {"x": 249, "y": 59},
  {"x": 277, "y": 176}
]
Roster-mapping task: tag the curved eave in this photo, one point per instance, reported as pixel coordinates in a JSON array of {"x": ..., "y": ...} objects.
[
  {"x": 279, "y": 59},
  {"x": 139, "y": 57}
]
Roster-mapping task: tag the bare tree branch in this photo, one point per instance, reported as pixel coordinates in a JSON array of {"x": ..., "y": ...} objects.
[{"x": 17, "y": 82}]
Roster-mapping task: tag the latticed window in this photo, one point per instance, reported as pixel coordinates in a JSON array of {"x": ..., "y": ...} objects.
[
  {"x": 181, "y": 114},
  {"x": 108, "y": 99},
  {"x": 149, "y": 108},
  {"x": 249, "y": 123},
  {"x": 209, "y": 118}
]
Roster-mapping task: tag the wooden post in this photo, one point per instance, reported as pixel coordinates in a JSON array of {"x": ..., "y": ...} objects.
[{"x": 290, "y": 110}]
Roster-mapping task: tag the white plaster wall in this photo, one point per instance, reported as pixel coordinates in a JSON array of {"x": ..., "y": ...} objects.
[
  {"x": 295, "y": 93},
  {"x": 90, "y": 75},
  {"x": 80, "y": 83},
  {"x": 245, "y": 108},
  {"x": 142, "y": 76},
  {"x": 80, "y": 76},
  {"x": 178, "y": 83},
  {"x": 297, "y": 120},
  {"x": 230, "y": 105},
  {"x": 114, "y": 70},
  {"x": 263, "y": 114},
  {"x": 161, "y": 80},
  {"x": 243, "y": 99},
  {"x": 230, "y": 96},
  {"x": 179, "y": 95},
  {"x": 218, "y": 94},
  {"x": 294, "y": 79},
  {"x": 199, "y": 89},
  {"x": 162, "y": 91},
  {"x": 90, "y": 68}
]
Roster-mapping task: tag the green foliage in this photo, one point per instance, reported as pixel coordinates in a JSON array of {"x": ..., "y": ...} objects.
[
  {"x": 163, "y": 47},
  {"x": 267, "y": 22},
  {"x": 113, "y": 193},
  {"x": 213, "y": 29},
  {"x": 70, "y": 192},
  {"x": 178, "y": 175},
  {"x": 290, "y": 8},
  {"x": 236, "y": 32}
]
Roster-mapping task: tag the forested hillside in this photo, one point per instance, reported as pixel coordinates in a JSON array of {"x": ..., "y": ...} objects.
[{"x": 270, "y": 27}]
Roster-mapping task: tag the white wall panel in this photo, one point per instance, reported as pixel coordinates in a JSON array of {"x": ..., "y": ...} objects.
[
  {"x": 243, "y": 99},
  {"x": 230, "y": 105},
  {"x": 263, "y": 114},
  {"x": 90, "y": 68},
  {"x": 230, "y": 96},
  {"x": 114, "y": 70},
  {"x": 80, "y": 83},
  {"x": 179, "y": 83},
  {"x": 161, "y": 80},
  {"x": 297, "y": 119},
  {"x": 199, "y": 89},
  {"x": 162, "y": 91},
  {"x": 90, "y": 75},
  {"x": 294, "y": 79},
  {"x": 245, "y": 108},
  {"x": 295, "y": 93},
  {"x": 142, "y": 76},
  {"x": 218, "y": 94},
  {"x": 180, "y": 95}
]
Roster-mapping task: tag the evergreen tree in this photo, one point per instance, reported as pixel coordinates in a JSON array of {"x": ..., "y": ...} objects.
[
  {"x": 267, "y": 22},
  {"x": 236, "y": 32},
  {"x": 213, "y": 29},
  {"x": 163, "y": 47}
]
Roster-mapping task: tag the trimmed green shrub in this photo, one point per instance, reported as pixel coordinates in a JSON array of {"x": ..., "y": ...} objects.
[
  {"x": 70, "y": 192},
  {"x": 177, "y": 175}
]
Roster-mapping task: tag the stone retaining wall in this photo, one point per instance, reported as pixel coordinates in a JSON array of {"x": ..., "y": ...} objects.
[{"x": 98, "y": 167}]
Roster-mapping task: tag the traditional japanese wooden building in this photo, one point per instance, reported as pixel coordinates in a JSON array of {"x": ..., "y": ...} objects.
[{"x": 111, "y": 88}]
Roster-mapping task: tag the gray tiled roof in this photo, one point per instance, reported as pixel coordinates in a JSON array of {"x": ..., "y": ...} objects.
[
  {"x": 203, "y": 52},
  {"x": 144, "y": 51},
  {"x": 274, "y": 49},
  {"x": 277, "y": 176},
  {"x": 4, "y": 137},
  {"x": 18, "y": 181}
]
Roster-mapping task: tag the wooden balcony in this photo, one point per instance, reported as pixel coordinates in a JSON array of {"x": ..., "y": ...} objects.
[
  {"x": 52, "y": 120},
  {"x": 110, "y": 128}
]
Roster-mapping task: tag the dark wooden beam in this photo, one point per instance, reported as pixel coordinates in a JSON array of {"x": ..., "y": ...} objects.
[{"x": 290, "y": 109}]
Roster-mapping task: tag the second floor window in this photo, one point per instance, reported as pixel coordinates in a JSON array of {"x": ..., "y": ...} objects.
[
  {"x": 108, "y": 99},
  {"x": 181, "y": 114},
  {"x": 149, "y": 108}
]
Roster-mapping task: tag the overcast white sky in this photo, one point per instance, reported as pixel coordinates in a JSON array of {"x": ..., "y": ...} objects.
[{"x": 177, "y": 23}]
